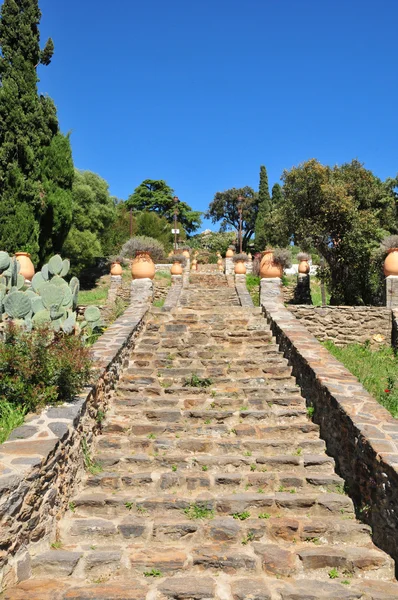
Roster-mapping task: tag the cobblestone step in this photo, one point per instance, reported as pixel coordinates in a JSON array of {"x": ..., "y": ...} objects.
[{"x": 220, "y": 492}]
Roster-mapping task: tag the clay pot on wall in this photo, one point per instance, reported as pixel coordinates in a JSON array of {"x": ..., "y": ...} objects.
[
  {"x": 176, "y": 268},
  {"x": 186, "y": 253},
  {"x": 194, "y": 265},
  {"x": 143, "y": 266},
  {"x": 240, "y": 267},
  {"x": 27, "y": 268},
  {"x": 268, "y": 268},
  {"x": 229, "y": 253},
  {"x": 116, "y": 268},
  {"x": 221, "y": 267},
  {"x": 391, "y": 262},
  {"x": 304, "y": 267}
]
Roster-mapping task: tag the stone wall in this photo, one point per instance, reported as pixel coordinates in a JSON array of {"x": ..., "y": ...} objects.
[
  {"x": 346, "y": 324},
  {"x": 42, "y": 462},
  {"x": 360, "y": 434}
]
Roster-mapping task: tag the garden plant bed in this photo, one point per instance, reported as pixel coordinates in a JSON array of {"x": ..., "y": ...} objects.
[{"x": 377, "y": 370}]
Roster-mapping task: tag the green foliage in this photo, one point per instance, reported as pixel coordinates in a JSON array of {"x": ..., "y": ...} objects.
[
  {"x": 89, "y": 464},
  {"x": 41, "y": 367},
  {"x": 141, "y": 243},
  {"x": 224, "y": 208},
  {"x": 253, "y": 285},
  {"x": 11, "y": 416},
  {"x": 213, "y": 242},
  {"x": 156, "y": 196},
  {"x": 153, "y": 573},
  {"x": 94, "y": 211},
  {"x": 343, "y": 212},
  {"x": 264, "y": 210},
  {"x": 195, "y": 381},
  {"x": 116, "y": 234},
  {"x": 150, "y": 224},
  {"x": 35, "y": 159},
  {"x": 199, "y": 511},
  {"x": 377, "y": 370},
  {"x": 242, "y": 516}
]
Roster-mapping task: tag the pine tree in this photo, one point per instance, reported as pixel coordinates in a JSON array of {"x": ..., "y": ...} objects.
[
  {"x": 264, "y": 210},
  {"x": 36, "y": 171}
]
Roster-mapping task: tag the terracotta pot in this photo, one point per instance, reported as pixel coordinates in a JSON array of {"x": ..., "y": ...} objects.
[
  {"x": 176, "y": 268},
  {"x": 304, "y": 267},
  {"x": 143, "y": 266},
  {"x": 116, "y": 268},
  {"x": 221, "y": 268},
  {"x": 391, "y": 263},
  {"x": 186, "y": 253},
  {"x": 27, "y": 268},
  {"x": 268, "y": 268},
  {"x": 229, "y": 253},
  {"x": 249, "y": 256},
  {"x": 240, "y": 267},
  {"x": 194, "y": 265},
  {"x": 220, "y": 261}
]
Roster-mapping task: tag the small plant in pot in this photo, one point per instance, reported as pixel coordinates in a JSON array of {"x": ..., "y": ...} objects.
[
  {"x": 179, "y": 262},
  {"x": 389, "y": 247},
  {"x": 116, "y": 265},
  {"x": 304, "y": 267},
  {"x": 240, "y": 266},
  {"x": 274, "y": 261},
  {"x": 144, "y": 251},
  {"x": 230, "y": 252}
]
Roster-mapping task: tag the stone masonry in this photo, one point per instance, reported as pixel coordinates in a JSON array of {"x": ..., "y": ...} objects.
[
  {"x": 214, "y": 482},
  {"x": 346, "y": 324}
]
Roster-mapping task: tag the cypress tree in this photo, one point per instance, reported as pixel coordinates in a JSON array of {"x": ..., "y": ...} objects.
[
  {"x": 36, "y": 170},
  {"x": 264, "y": 210},
  {"x": 276, "y": 195}
]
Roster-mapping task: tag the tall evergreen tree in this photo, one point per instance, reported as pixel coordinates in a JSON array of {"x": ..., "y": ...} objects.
[
  {"x": 264, "y": 210},
  {"x": 36, "y": 170},
  {"x": 276, "y": 196}
]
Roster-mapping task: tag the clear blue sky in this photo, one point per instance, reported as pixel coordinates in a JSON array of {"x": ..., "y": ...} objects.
[{"x": 202, "y": 92}]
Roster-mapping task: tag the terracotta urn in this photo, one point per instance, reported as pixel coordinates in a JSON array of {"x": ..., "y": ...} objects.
[
  {"x": 186, "y": 253},
  {"x": 240, "y": 267},
  {"x": 116, "y": 268},
  {"x": 229, "y": 253},
  {"x": 143, "y": 266},
  {"x": 268, "y": 268},
  {"x": 176, "y": 268},
  {"x": 304, "y": 267},
  {"x": 391, "y": 262},
  {"x": 27, "y": 269},
  {"x": 220, "y": 261},
  {"x": 249, "y": 256},
  {"x": 221, "y": 268},
  {"x": 194, "y": 265}
]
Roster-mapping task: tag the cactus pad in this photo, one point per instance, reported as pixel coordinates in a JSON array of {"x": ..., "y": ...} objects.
[{"x": 17, "y": 305}]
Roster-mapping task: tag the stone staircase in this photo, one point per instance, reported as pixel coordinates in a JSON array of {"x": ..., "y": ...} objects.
[{"x": 210, "y": 481}]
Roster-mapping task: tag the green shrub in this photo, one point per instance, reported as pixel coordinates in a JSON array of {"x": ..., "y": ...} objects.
[
  {"x": 41, "y": 367},
  {"x": 142, "y": 243}
]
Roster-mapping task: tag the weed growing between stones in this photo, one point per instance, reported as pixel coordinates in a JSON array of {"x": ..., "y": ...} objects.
[
  {"x": 197, "y": 511},
  {"x": 241, "y": 516},
  {"x": 89, "y": 464},
  {"x": 153, "y": 573},
  {"x": 199, "y": 382},
  {"x": 264, "y": 515},
  {"x": 333, "y": 573}
]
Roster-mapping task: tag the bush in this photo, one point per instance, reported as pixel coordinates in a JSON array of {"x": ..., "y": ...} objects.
[
  {"x": 238, "y": 257},
  {"x": 213, "y": 258},
  {"x": 179, "y": 258},
  {"x": 41, "y": 367},
  {"x": 282, "y": 257},
  {"x": 142, "y": 243}
]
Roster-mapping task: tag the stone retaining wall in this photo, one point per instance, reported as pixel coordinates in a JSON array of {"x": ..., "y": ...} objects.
[
  {"x": 346, "y": 324},
  {"x": 42, "y": 462},
  {"x": 360, "y": 434}
]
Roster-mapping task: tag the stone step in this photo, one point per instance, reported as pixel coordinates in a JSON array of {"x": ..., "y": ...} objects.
[
  {"x": 254, "y": 557},
  {"x": 202, "y": 479},
  {"x": 308, "y": 533},
  {"x": 152, "y": 445},
  {"x": 203, "y": 587},
  {"x": 277, "y": 416},
  {"x": 96, "y": 503}
]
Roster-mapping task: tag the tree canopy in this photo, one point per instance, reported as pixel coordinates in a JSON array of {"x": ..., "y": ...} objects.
[
  {"x": 264, "y": 212},
  {"x": 94, "y": 211},
  {"x": 224, "y": 208},
  {"x": 157, "y": 196},
  {"x": 36, "y": 169},
  {"x": 344, "y": 212}
]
